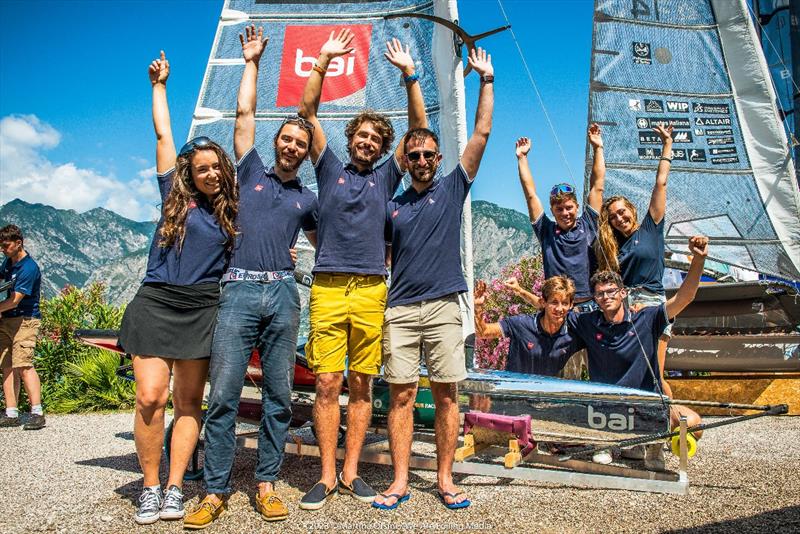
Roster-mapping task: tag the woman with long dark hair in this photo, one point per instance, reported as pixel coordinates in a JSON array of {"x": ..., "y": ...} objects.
[{"x": 168, "y": 326}]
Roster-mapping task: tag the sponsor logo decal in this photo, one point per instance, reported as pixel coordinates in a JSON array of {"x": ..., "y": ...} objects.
[
  {"x": 712, "y": 121},
  {"x": 678, "y": 136},
  {"x": 641, "y": 53},
  {"x": 634, "y": 105},
  {"x": 677, "y": 107},
  {"x": 346, "y": 75},
  {"x": 679, "y": 153},
  {"x": 675, "y": 122},
  {"x": 649, "y": 153},
  {"x": 729, "y": 159},
  {"x": 722, "y": 151},
  {"x": 719, "y": 131},
  {"x": 653, "y": 106},
  {"x": 697, "y": 155},
  {"x": 719, "y": 140},
  {"x": 703, "y": 107},
  {"x": 612, "y": 421}
]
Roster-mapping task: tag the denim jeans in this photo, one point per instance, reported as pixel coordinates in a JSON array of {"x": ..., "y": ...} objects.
[{"x": 264, "y": 315}]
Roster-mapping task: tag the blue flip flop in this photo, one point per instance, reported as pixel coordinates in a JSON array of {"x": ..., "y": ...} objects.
[
  {"x": 399, "y": 500},
  {"x": 453, "y": 505}
]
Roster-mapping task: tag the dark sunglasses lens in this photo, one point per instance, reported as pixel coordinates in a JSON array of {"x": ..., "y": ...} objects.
[
  {"x": 197, "y": 142},
  {"x": 414, "y": 156}
]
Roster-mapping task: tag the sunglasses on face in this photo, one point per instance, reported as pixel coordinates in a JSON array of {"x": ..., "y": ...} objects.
[
  {"x": 608, "y": 293},
  {"x": 197, "y": 142},
  {"x": 562, "y": 189},
  {"x": 429, "y": 155}
]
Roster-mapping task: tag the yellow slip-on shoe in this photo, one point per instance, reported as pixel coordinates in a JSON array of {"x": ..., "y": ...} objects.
[
  {"x": 271, "y": 507},
  {"x": 206, "y": 512}
]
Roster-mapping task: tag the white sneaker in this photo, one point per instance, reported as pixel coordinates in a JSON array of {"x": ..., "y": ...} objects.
[
  {"x": 602, "y": 457},
  {"x": 149, "y": 506},
  {"x": 173, "y": 504},
  {"x": 654, "y": 457}
]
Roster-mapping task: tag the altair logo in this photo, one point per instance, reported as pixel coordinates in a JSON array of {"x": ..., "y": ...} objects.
[
  {"x": 612, "y": 421},
  {"x": 346, "y": 75}
]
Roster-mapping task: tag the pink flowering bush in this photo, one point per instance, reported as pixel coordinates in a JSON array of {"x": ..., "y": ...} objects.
[{"x": 502, "y": 302}]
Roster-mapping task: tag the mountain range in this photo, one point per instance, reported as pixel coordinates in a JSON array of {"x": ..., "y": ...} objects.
[{"x": 100, "y": 245}]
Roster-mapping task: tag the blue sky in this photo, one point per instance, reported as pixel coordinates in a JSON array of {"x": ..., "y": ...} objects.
[{"x": 75, "y": 128}]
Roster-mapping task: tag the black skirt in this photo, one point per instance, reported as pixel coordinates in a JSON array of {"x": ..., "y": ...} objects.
[{"x": 171, "y": 321}]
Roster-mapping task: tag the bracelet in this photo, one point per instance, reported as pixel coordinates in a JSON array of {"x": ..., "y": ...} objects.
[
  {"x": 489, "y": 78},
  {"x": 319, "y": 69},
  {"x": 665, "y": 158},
  {"x": 410, "y": 79}
]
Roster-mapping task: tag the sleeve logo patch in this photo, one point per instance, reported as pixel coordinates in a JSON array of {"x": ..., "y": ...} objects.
[{"x": 258, "y": 187}]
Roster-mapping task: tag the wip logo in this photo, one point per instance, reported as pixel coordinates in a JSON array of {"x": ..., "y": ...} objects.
[
  {"x": 346, "y": 76},
  {"x": 614, "y": 421}
]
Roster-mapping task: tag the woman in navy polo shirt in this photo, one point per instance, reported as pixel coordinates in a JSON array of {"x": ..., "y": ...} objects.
[
  {"x": 540, "y": 344},
  {"x": 168, "y": 325},
  {"x": 636, "y": 250}
]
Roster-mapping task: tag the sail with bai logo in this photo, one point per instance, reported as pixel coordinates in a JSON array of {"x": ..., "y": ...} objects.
[
  {"x": 698, "y": 66},
  {"x": 364, "y": 79}
]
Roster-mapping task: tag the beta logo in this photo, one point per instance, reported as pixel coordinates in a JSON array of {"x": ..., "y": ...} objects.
[{"x": 346, "y": 75}]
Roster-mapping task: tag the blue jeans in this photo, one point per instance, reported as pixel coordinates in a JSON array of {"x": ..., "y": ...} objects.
[{"x": 264, "y": 315}]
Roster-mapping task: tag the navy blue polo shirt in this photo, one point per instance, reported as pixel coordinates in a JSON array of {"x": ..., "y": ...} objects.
[
  {"x": 569, "y": 253},
  {"x": 641, "y": 256},
  {"x": 533, "y": 350},
  {"x": 425, "y": 232},
  {"x": 28, "y": 281},
  {"x": 201, "y": 258},
  {"x": 615, "y": 353},
  {"x": 352, "y": 209},
  {"x": 271, "y": 214}
]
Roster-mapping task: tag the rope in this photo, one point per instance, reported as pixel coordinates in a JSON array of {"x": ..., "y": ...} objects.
[{"x": 538, "y": 94}]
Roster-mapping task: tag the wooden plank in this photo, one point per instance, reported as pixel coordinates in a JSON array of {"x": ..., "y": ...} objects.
[{"x": 782, "y": 388}]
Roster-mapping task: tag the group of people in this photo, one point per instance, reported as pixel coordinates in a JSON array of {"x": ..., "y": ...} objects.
[
  {"x": 603, "y": 289},
  {"x": 220, "y": 283}
]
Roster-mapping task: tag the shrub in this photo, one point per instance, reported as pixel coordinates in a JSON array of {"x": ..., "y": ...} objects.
[{"x": 501, "y": 302}]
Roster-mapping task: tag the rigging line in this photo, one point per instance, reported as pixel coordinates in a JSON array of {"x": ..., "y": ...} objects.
[{"x": 538, "y": 94}]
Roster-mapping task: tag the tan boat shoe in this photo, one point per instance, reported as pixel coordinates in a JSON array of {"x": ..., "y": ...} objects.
[
  {"x": 205, "y": 513},
  {"x": 271, "y": 507}
]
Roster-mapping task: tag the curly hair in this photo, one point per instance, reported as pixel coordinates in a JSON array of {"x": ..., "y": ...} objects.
[
  {"x": 11, "y": 232},
  {"x": 379, "y": 122},
  {"x": 558, "y": 284},
  {"x": 607, "y": 243},
  {"x": 176, "y": 206},
  {"x": 606, "y": 277}
]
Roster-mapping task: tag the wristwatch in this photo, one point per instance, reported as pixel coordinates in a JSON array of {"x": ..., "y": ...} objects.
[{"x": 489, "y": 78}]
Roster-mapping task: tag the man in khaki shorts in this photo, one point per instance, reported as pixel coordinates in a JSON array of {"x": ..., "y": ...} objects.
[
  {"x": 424, "y": 227},
  {"x": 19, "y": 326}
]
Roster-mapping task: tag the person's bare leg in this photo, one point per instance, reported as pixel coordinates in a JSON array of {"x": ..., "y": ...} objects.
[
  {"x": 326, "y": 423},
  {"x": 692, "y": 418},
  {"x": 10, "y": 385},
  {"x": 152, "y": 392},
  {"x": 187, "y": 400},
  {"x": 445, "y": 397},
  {"x": 401, "y": 431},
  {"x": 359, "y": 416},
  {"x": 33, "y": 387}
]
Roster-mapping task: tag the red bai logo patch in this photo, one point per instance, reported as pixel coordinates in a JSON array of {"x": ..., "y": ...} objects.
[
  {"x": 259, "y": 187},
  {"x": 530, "y": 345},
  {"x": 346, "y": 75}
]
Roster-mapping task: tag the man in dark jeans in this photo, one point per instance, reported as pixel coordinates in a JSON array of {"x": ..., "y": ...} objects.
[{"x": 19, "y": 325}]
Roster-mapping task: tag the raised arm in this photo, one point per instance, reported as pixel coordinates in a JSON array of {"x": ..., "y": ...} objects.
[
  {"x": 481, "y": 63},
  {"x": 698, "y": 248},
  {"x": 482, "y": 328},
  {"x": 165, "y": 145},
  {"x": 513, "y": 284},
  {"x": 333, "y": 47},
  {"x": 244, "y": 131},
  {"x": 658, "y": 201},
  {"x": 401, "y": 58},
  {"x": 597, "y": 181},
  {"x": 535, "y": 208}
]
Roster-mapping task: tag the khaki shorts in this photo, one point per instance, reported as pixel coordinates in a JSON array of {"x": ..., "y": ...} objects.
[
  {"x": 18, "y": 340},
  {"x": 346, "y": 316},
  {"x": 431, "y": 328}
]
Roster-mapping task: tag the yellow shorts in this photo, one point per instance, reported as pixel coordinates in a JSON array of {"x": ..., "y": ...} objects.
[{"x": 346, "y": 316}]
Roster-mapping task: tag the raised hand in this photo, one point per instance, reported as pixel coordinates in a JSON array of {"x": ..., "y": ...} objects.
[
  {"x": 479, "y": 295},
  {"x": 253, "y": 42},
  {"x": 481, "y": 62},
  {"x": 523, "y": 146},
  {"x": 664, "y": 132},
  {"x": 398, "y": 57},
  {"x": 698, "y": 246},
  {"x": 159, "y": 70},
  {"x": 339, "y": 45},
  {"x": 595, "y": 136},
  {"x": 512, "y": 284}
]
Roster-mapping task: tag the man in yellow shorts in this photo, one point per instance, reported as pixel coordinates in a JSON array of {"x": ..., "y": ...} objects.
[{"x": 348, "y": 296}]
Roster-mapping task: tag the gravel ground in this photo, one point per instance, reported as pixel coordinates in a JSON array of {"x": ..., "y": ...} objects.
[{"x": 80, "y": 474}]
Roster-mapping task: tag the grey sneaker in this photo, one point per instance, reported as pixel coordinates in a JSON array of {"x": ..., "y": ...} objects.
[
  {"x": 633, "y": 453},
  {"x": 6, "y": 421},
  {"x": 149, "y": 506},
  {"x": 173, "y": 504},
  {"x": 35, "y": 422}
]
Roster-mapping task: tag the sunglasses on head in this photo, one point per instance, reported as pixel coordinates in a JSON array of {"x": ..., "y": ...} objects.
[
  {"x": 300, "y": 121},
  {"x": 562, "y": 189},
  {"x": 197, "y": 142},
  {"x": 427, "y": 154}
]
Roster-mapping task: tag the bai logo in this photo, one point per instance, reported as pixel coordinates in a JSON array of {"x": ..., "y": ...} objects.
[
  {"x": 346, "y": 75},
  {"x": 612, "y": 421}
]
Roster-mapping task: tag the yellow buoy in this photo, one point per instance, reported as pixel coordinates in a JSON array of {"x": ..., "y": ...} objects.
[{"x": 691, "y": 445}]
